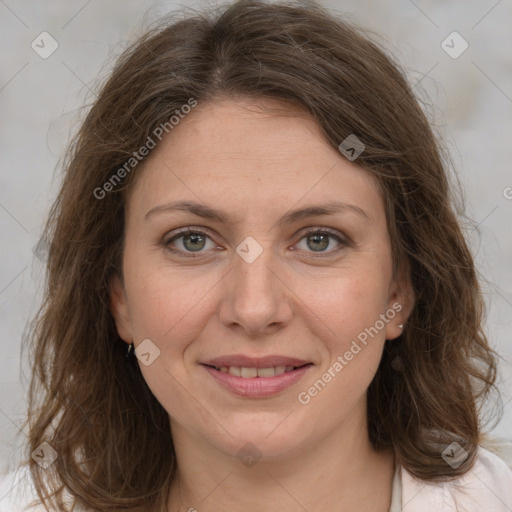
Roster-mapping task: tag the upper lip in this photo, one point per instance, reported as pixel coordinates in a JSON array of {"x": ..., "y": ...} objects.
[{"x": 254, "y": 362}]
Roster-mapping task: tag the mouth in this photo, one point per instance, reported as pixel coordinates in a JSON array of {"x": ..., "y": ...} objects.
[
  {"x": 248, "y": 372},
  {"x": 258, "y": 378}
]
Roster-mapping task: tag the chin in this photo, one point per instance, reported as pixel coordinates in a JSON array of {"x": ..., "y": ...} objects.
[{"x": 266, "y": 442}]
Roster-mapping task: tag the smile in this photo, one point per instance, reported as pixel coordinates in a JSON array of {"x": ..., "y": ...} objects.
[
  {"x": 251, "y": 382},
  {"x": 251, "y": 372}
]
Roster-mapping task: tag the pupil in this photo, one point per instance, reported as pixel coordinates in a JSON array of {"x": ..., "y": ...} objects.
[
  {"x": 194, "y": 239},
  {"x": 316, "y": 239}
]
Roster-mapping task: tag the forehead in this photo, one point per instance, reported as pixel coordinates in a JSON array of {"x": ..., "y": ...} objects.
[
  {"x": 259, "y": 152},
  {"x": 255, "y": 131}
]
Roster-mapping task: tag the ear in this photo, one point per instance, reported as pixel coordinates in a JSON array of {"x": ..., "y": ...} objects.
[
  {"x": 401, "y": 301},
  {"x": 119, "y": 309}
]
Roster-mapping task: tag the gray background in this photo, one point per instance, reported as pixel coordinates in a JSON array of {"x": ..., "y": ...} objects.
[{"x": 469, "y": 99}]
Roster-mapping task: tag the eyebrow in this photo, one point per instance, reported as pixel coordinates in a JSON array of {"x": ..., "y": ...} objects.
[{"x": 201, "y": 210}]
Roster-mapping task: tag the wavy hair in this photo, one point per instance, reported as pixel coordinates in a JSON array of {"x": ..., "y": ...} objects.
[{"x": 91, "y": 403}]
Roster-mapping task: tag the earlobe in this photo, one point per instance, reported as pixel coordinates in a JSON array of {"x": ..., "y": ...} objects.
[
  {"x": 401, "y": 302},
  {"x": 119, "y": 309}
]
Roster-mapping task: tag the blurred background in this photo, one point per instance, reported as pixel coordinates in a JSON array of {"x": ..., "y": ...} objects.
[{"x": 458, "y": 55}]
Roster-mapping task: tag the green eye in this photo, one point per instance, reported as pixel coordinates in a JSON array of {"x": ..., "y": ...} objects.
[
  {"x": 191, "y": 240},
  {"x": 196, "y": 241},
  {"x": 318, "y": 240}
]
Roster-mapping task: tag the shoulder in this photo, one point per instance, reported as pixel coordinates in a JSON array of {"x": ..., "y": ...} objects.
[{"x": 486, "y": 486}]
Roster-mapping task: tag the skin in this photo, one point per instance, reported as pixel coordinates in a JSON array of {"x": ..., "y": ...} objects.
[{"x": 256, "y": 160}]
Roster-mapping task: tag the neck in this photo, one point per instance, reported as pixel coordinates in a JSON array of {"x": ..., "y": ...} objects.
[{"x": 340, "y": 472}]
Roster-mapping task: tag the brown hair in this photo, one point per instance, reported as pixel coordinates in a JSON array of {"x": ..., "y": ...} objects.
[{"x": 93, "y": 407}]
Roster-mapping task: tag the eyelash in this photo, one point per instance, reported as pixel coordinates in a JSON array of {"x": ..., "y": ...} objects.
[{"x": 314, "y": 231}]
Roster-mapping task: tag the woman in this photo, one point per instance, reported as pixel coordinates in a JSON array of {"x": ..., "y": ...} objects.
[{"x": 259, "y": 296}]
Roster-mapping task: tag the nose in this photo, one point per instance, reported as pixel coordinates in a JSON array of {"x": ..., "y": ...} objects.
[{"x": 256, "y": 297}]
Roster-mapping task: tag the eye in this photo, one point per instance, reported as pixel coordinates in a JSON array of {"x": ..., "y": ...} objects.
[
  {"x": 318, "y": 240},
  {"x": 190, "y": 240}
]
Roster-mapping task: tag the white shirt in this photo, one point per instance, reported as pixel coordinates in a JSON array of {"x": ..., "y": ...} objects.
[{"x": 486, "y": 487}]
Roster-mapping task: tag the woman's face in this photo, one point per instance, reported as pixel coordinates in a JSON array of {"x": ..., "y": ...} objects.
[{"x": 272, "y": 286}]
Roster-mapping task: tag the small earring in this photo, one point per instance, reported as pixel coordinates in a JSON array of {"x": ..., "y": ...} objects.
[
  {"x": 400, "y": 326},
  {"x": 129, "y": 351}
]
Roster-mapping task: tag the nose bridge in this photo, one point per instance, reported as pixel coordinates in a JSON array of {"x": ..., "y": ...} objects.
[
  {"x": 256, "y": 298},
  {"x": 253, "y": 268}
]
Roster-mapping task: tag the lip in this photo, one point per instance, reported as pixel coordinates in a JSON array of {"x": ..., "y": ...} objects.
[
  {"x": 257, "y": 387},
  {"x": 255, "y": 362}
]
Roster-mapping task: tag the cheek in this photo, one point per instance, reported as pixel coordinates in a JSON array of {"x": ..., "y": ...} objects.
[
  {"x": 169, "y": 309},
  {"x": 346, "y": 316},
  {"x": 164, "y": 301},
  {"x": 344, "y": 304},
  {"x": 348, "y": 322}
]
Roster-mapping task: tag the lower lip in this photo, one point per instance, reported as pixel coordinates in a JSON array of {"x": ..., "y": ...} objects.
[{"x": 257, "y": 387}]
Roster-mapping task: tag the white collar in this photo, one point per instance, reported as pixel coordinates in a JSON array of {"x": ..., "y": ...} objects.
[{"x": 486, "y": 486}]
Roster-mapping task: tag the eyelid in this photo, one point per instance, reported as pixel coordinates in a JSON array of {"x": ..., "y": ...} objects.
[
  {"x": 176, "y": 233},
  {"x": 343, "y": 240},
  {"x": 323, "y": 229}
]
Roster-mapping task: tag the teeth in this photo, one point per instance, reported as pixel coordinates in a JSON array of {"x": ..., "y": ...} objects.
[
  {"x": 234, "y": 370},
  {"x": 266, "y": 372},
  {"x": 250, "y": 373},
  {"x": 278, "y": 370}
]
